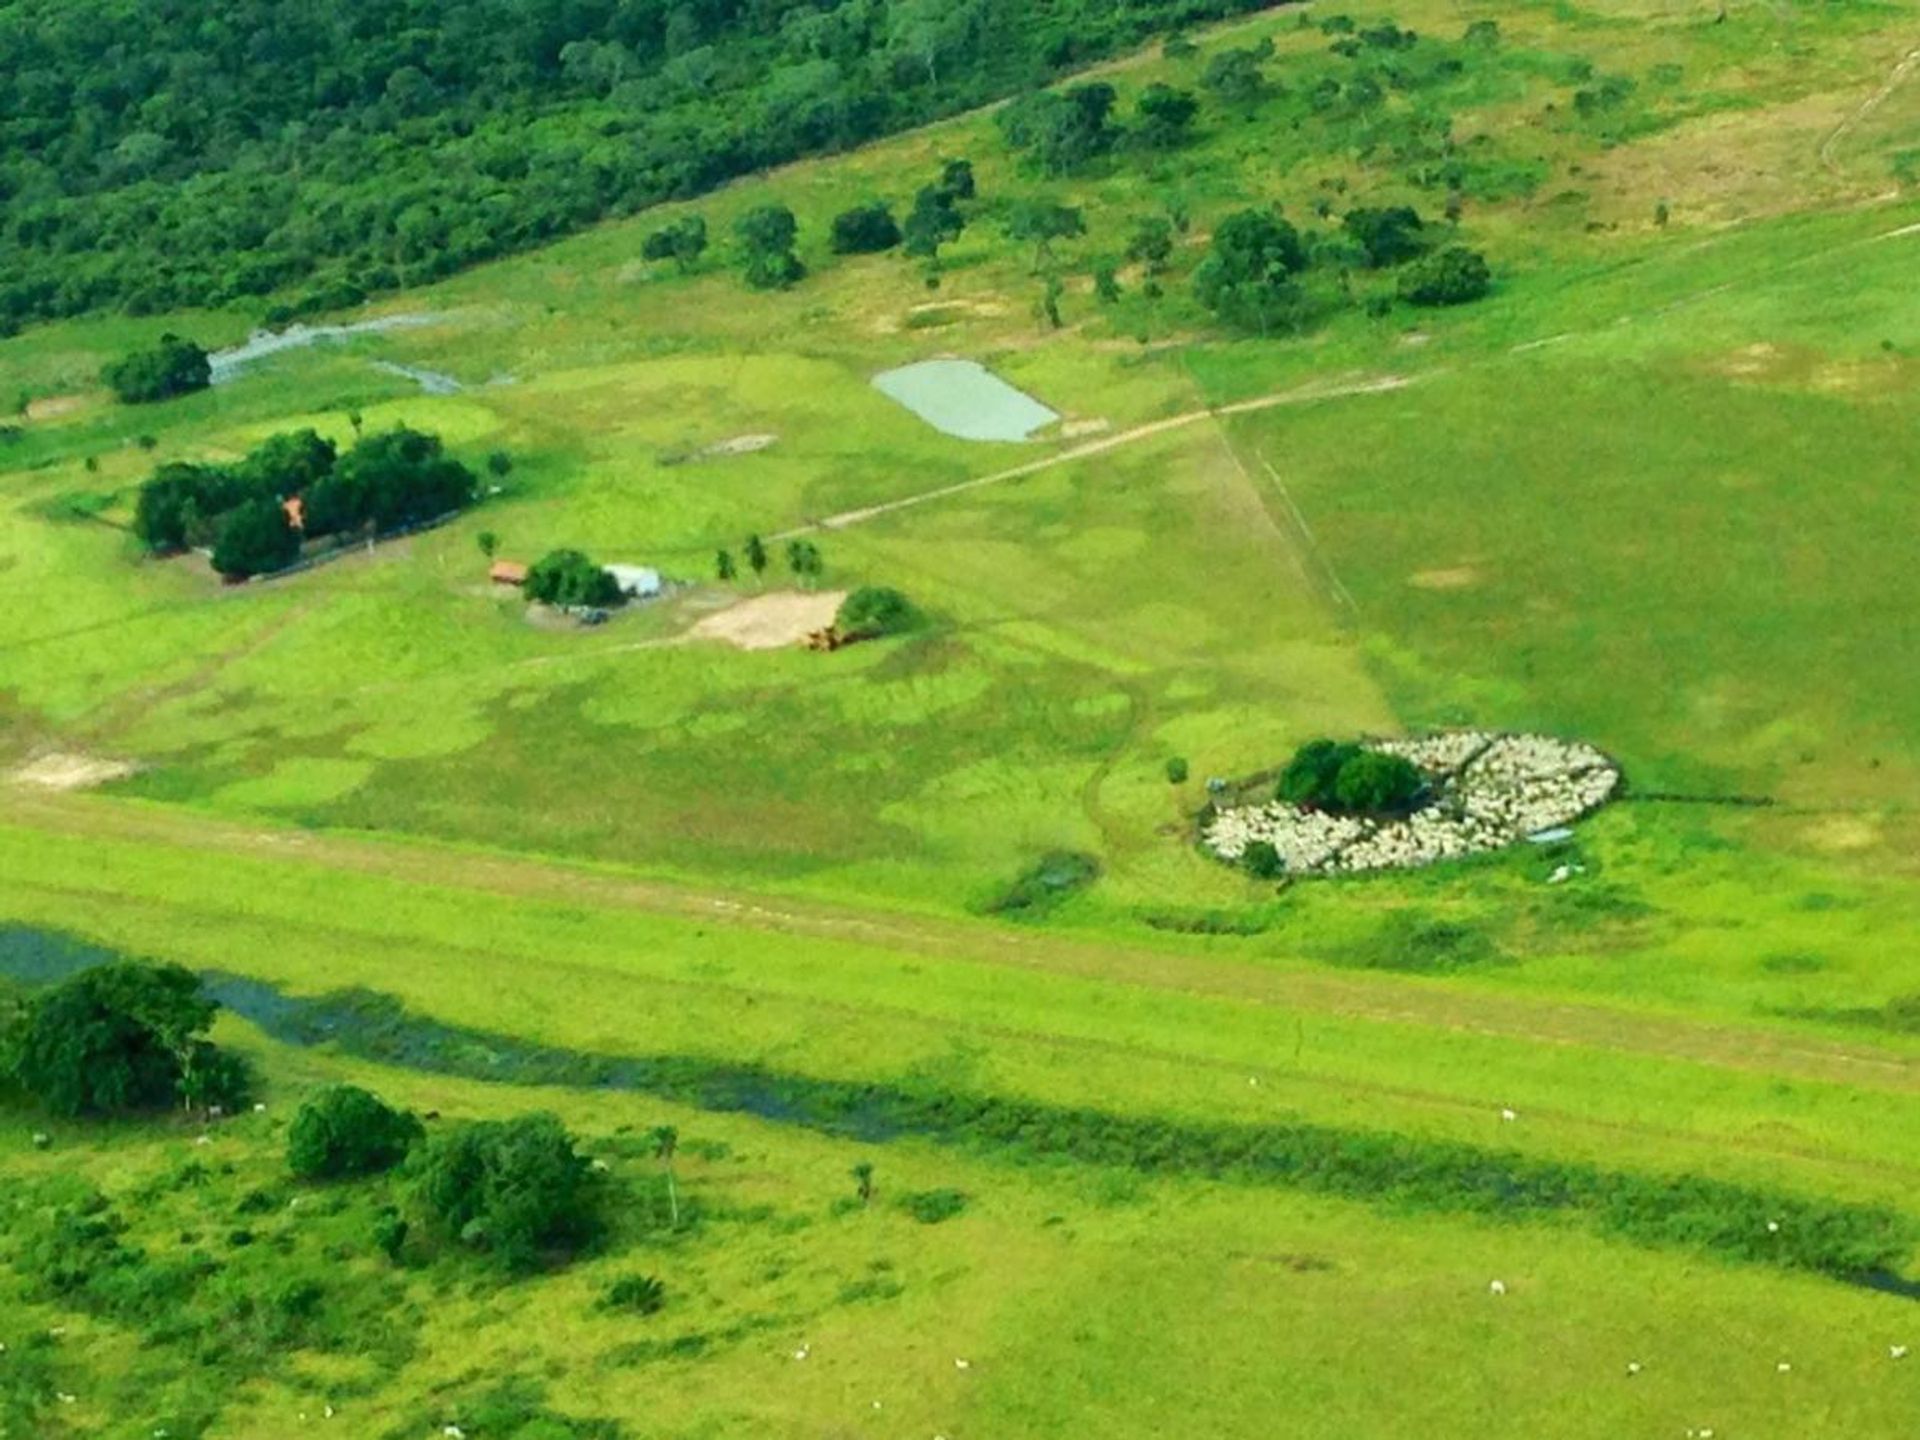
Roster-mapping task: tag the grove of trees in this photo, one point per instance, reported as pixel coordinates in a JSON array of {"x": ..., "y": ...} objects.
[
  {"x": 171, "y": 367},
  {"x": 568, "y": 579},
  {"x": 160, "y": 157},
  {"x": 386, "y": 481}
]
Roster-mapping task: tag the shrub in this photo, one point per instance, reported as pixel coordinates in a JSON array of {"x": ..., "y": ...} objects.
[
  {"x": 1451, "y": 276},
  {"x": 516, "y": 1189},
  {"x": 121, "y": 1037},
  {"x": 173, "y": 367},
  {"x": 1262, "y": 860},
  {"x": 569, "y": 578},
  {"x": 344, "y": 1131},
  {"x": 1052, "y": 878},
  {"x": 931, "y": 1207},
  {"x": 1389, "y": 236},
  {"x": 865, "y": 230},
  {"x": 636, "y": 1294},
  {"x": 875, "y": 610},
  {"x": 1177, "y": 770}
]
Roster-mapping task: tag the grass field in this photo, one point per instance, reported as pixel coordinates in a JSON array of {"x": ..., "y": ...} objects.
[{"x": 1650, "y": 493}]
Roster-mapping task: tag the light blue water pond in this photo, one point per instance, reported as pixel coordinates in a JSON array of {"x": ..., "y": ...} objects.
[{"x": 965, "y": 399}]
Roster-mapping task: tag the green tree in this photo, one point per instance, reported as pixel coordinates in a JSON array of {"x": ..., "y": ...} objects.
[
  {"x": 1262, "y": 861},
  {"x": 1062, "y": 130},
  {"x": 862, "y": 1175},
  {"x": 756, "y": 555},
  {"x": 1309, "y": 776},
  {"x": 118, "y": 1038},
  {"x": 1040, "y": 223},
  {"x": 346, "y": 1131},
  {"x": 1151, "y": 244},
  {"x": 1391, "y": 235},
  {"x": 723, "y": 567},
  {"x": 803, "y": 558},
  {"x": 174, "y": 366},
  {"x": 934, "y": 221},
  {"x": 1375, "y": 782},
  {"x": 255, "y": 538},
  {"x": 488, "y": 542},
  {"x": 956, "y": 179},
  {"x": 1163, "y": 115},
  {"x": 516, "y": 1189},
  {"x": 683, "y": 241},
  {"x": 387, "y": 481},
  {"x": 865, "y": 230},
  {"x": 666, "y": 1144},
  {"x": 766, "y": 235},
  {"x": 1106, "y": 284},
  {"x": 569, "y": 580},
  {"x": 287, "y": 464},
  {"x": 1238, "y": 77},
  {"x": 1247, "y": 277},
  {"x": 876, "y": 610},
  {"x": 1452, "y": 276}
]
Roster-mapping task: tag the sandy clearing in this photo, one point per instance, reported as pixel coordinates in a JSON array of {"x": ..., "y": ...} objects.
[
  {"x": 65, "y": 770},
  {"x": 52, "y": 407},
  {"x": 768, "y": 622}
]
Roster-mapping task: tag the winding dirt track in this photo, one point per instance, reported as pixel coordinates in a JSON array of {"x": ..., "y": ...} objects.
[{"x": 1906, "y": 66}]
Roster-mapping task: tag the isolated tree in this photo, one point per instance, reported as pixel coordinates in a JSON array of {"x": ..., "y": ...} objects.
[
  {"x": 876, "y": 610},
  {"x": 1262, "y": 861},
  {"x": 1451, "y": 276},
  {"x": 1391, "y": 235},
  {"x": 568, "y": 579},
  {"x": 255, "y": 538},
  {"x": 1106, "y": 284},
  {"x": 935, "y": 220},
  {"x": 1237, "y": 77},
  {"x": 1247, "y": 277},
  {"x": 1040, "y": 223},
  {"x": 956, "y": 179},
  {"x": 1050, "y": 300},
  {"x": 756, "y": 555},
  {"x": 117, "y": 1038},
  {"x": 865, "y": 230},
  {"x": 1375, "y": 782},
  {"x": 1062, "y": 130},
  {"x": 862, "y": 1175},
  {"x": 1162, "y": 116},
  {"x": 1151, "y": 244},
  {"x": 766, "y": 234},
  {"x": 346, "y": 1131},
  {"x": 723, "y": 568},
  {"x": 488, "y": 542},
  {"x": 666, "y": 1143}
]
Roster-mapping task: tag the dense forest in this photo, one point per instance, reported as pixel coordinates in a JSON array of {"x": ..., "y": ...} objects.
[{"x": 162, "y": 154}]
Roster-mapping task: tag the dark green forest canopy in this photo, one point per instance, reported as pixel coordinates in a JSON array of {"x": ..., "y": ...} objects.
[{"x": 161, "y": 153}]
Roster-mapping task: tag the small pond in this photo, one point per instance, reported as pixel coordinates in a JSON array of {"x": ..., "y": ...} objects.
[{"x": 965, "y": 399}]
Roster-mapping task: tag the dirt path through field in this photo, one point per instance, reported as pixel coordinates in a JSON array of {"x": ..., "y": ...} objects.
[
  {"x": 1906, "y": 66},
  {"x": 1383, "y": 999}
]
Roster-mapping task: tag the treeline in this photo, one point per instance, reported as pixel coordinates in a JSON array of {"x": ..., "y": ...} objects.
[
  {"x": 158, "y": 155},
  {"x": 297, "y": 487}
]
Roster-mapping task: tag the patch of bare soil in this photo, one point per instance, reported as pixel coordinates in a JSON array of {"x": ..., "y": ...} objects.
[
  {"x": 739, "y": 445},
  {"x": 768, "y": 622},
  {"x": 52, "y": 407},
  {"x": 1079, "y": 429},
  {"x": 1459, "y": 577},
  {"x": 65, "y": 770}
]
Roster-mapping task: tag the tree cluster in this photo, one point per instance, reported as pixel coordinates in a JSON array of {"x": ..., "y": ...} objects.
[
  {"x": 172, "y": 367},
  {"x": 515, "y": 1189},
  {"x": 1350, "y": 779},
  {"x": 345, "y": 1131},
  {"x": 121, "y": 1038},
  {"x": 569, "y": 580},
  {"x": 385, "y": 482},
  {"x": 875, "y": 610}
]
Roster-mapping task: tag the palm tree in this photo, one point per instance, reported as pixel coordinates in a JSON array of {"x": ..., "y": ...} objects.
[{"x": 666, "y": 1140}]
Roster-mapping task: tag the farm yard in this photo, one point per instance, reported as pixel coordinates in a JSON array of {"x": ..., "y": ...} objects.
[{"x": 1607, "y": 1133}]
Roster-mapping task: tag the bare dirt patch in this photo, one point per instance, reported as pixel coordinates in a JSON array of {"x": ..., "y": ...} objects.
[
  {"x": 1459, "y": 577},
  {"x": 52, "y": 407},
  {"x": 768, "y": 622},
  {"x": 1080, "y": 429},
  {"x": 65, "y": 770},
  {"x": 739, "y": 445}
]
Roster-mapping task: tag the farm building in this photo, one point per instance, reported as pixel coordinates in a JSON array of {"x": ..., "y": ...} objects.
[
  {"x": 636, "y": 582},
  {"x": 507, "y": 572}
]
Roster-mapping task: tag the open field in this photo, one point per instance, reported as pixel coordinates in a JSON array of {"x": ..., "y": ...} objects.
[{"x": 1652, "y": 493}]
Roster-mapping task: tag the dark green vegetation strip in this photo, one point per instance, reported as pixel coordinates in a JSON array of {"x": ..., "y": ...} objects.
[
  {"x": 356, "y": 148},
  {"x": 1851, "y": 1242}
]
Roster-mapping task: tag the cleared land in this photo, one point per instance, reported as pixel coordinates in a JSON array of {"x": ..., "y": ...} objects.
[{"x": 1652, "y": 493}]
